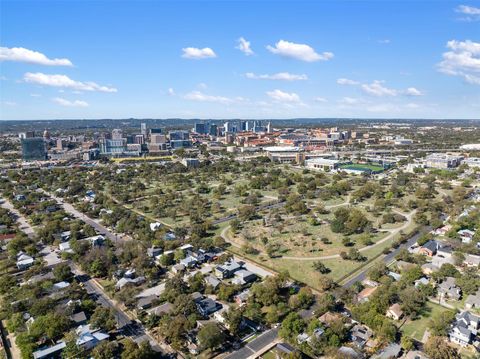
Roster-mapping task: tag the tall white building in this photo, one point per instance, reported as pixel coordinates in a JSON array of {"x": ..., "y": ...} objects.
[{"x": 117, "y": 134}]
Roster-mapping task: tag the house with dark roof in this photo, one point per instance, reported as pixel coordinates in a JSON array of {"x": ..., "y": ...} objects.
[
  {"x": 448, "y": 289},
  {"x": 227, "y": 269},
  {"x": 429, "y": 249},
  {"x": 208, "y": 306},
  {"x": 464, "y": 329},
  {"x": 473, "y": 301},
  {"x": 360, "y": 335}
]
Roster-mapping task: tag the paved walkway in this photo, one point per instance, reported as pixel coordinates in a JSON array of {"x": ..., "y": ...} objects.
[{"x": 393, "y": 232}]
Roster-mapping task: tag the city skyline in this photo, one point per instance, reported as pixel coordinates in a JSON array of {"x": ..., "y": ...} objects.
[{"x": 240, "y": 60}]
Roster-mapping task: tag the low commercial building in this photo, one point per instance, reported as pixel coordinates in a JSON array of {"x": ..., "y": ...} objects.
[
  {"x": 443, "y": 160},
  {"x": 285, "y": 154},
  {"x": 324, "y": 164}
]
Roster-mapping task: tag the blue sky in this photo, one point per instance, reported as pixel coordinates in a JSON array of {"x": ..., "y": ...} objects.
[{"x": 120, "y": 59}]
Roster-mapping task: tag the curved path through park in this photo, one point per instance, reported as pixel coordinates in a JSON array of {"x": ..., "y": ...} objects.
[{"x": 393, "y": 232}]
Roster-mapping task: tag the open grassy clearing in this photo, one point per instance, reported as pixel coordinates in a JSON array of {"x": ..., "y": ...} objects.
[{"x": 416, "y": 328}]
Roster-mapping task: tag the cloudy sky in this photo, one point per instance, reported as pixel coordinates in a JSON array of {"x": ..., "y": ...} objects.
[{"x": 262, "y": 59}]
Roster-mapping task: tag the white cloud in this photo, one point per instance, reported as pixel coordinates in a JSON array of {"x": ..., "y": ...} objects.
[
  {"x": 320, "y": 99},
  {"x": 344, "y": 81},
  {"x": 68, "y": 103},
  {"x": 10, "y": 103},
  {"x": 244, "y": 46},
  {"x": 298, "y": 51},
  {"x": 412, "y": 106},
  {"x": 462, "y": 60},
  {"x": 65, "y": 82},
  {"x": 171, "y": 91},
  {"x": 377, "y": 89},
  {"x": 282, "y": 76},
  {"x": 471, "y": 13},
  {"x": 412, "y": 91},
  {"x": 196, "y": 53},
  {"x": 385, "y": 41},
  {"x": 35, "y": 95},
  {"x": 349, "y": 101},
  {"x": 202, "y": 85},
  {"x": 3, "y": 78},
  {"x": 202, "y": 97},
  {"x": 20, "y": 54},
  {"x": 285, "y": 97}
]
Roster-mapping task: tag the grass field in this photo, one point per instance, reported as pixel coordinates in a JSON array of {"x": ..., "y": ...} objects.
[
  {"x": 363, "y": 167},
  {"x": 416, "y": 328}
]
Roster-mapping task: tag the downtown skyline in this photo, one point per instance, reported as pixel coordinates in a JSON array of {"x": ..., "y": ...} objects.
[{"x": 239, "y": 60}]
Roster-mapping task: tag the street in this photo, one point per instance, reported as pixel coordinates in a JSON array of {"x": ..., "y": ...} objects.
[{"x": 387, "y": 259}]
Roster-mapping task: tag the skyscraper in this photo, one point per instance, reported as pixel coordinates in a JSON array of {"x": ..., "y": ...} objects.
[
  {"x": 34, "y": 149},
  {"x": 117, "y": 134},
  {"x": 143, "y": 129}
]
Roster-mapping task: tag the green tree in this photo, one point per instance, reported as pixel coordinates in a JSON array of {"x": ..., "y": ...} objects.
[
  {"x": 103, "y": 318},
  {"x": 210, "y": 336}
]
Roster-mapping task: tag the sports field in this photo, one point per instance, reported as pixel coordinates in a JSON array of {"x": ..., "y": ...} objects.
[{"x": 363, "y": 167}]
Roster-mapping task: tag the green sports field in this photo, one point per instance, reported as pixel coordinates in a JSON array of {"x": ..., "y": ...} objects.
[{"x": 363, "y": 167}]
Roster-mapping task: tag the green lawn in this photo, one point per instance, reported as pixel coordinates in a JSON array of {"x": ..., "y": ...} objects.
[
  {"x": 416, "y": 328},
  {"x": 363, "y": 167}
]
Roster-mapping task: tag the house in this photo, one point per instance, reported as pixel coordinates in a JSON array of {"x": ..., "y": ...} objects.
[
  {"x": 471, "y": 260},
  {"x": 421, "y": 281},
  {"x": 360, "y": 335},
  {"x": 60, "y": 285},
  {"x": 444, "y": 251},
  {"x": 242, "y": 297},
  {"x": 394, "y": 312},
  {"x": 189, "y": 262},
  {"x": 244, "y": 276},
  {"x": 285, "y": 349},
  {"x": 212, "y": 281},
  {"x": 79, "y": 318},
  {"x": 302, "y": 338},
  {"x": 169, "y": 236},
  {"x": 65, "y": 236},
  {"x": 208, "y": 306},
  {"x": 124, "y": 281},
  {"x": 464, "y": 328},
  {"x": 329, "y": 317},
  {"x": 442, "y": 230},
  {"x": 88, "y": 338},
  {"x": 154, "y": 226},
  {"x": 429, "y": 268},
  {"x": 448, "y": 289},
  {"x": 365, "y": 294},
  {"x": 24, "y": 261},
  {"x": 473, "y": 301},
  {"x": 160, "y": 310},
  {"x": 227, "y": 269},
  {"x": 393, "y": 350},
  {"x": 95, "y": 240},
  {"x": 221, "y": 316},
  {"x": 65, "y": 247},
  {"x": 50, "y": 352},
  {"x": 146, "y": 302},
  {"x": 395, "y": 276},
  {"x": 429, "y": 249},
  {"x": 178, "y": 268},
  {"x": 415, "y": 354},
  {"x": 466, "y": 235},
  {"x": 153, "y": 251}
]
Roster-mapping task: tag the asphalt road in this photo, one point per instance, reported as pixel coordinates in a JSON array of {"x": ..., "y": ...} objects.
[
  {"x": 127, "y": 326},
  {"x": 387, "y": 259},
  {"x": 255, "y": 345},
  {"x": 24, "y": 226},
  {"x": 77, "y": 214}
]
